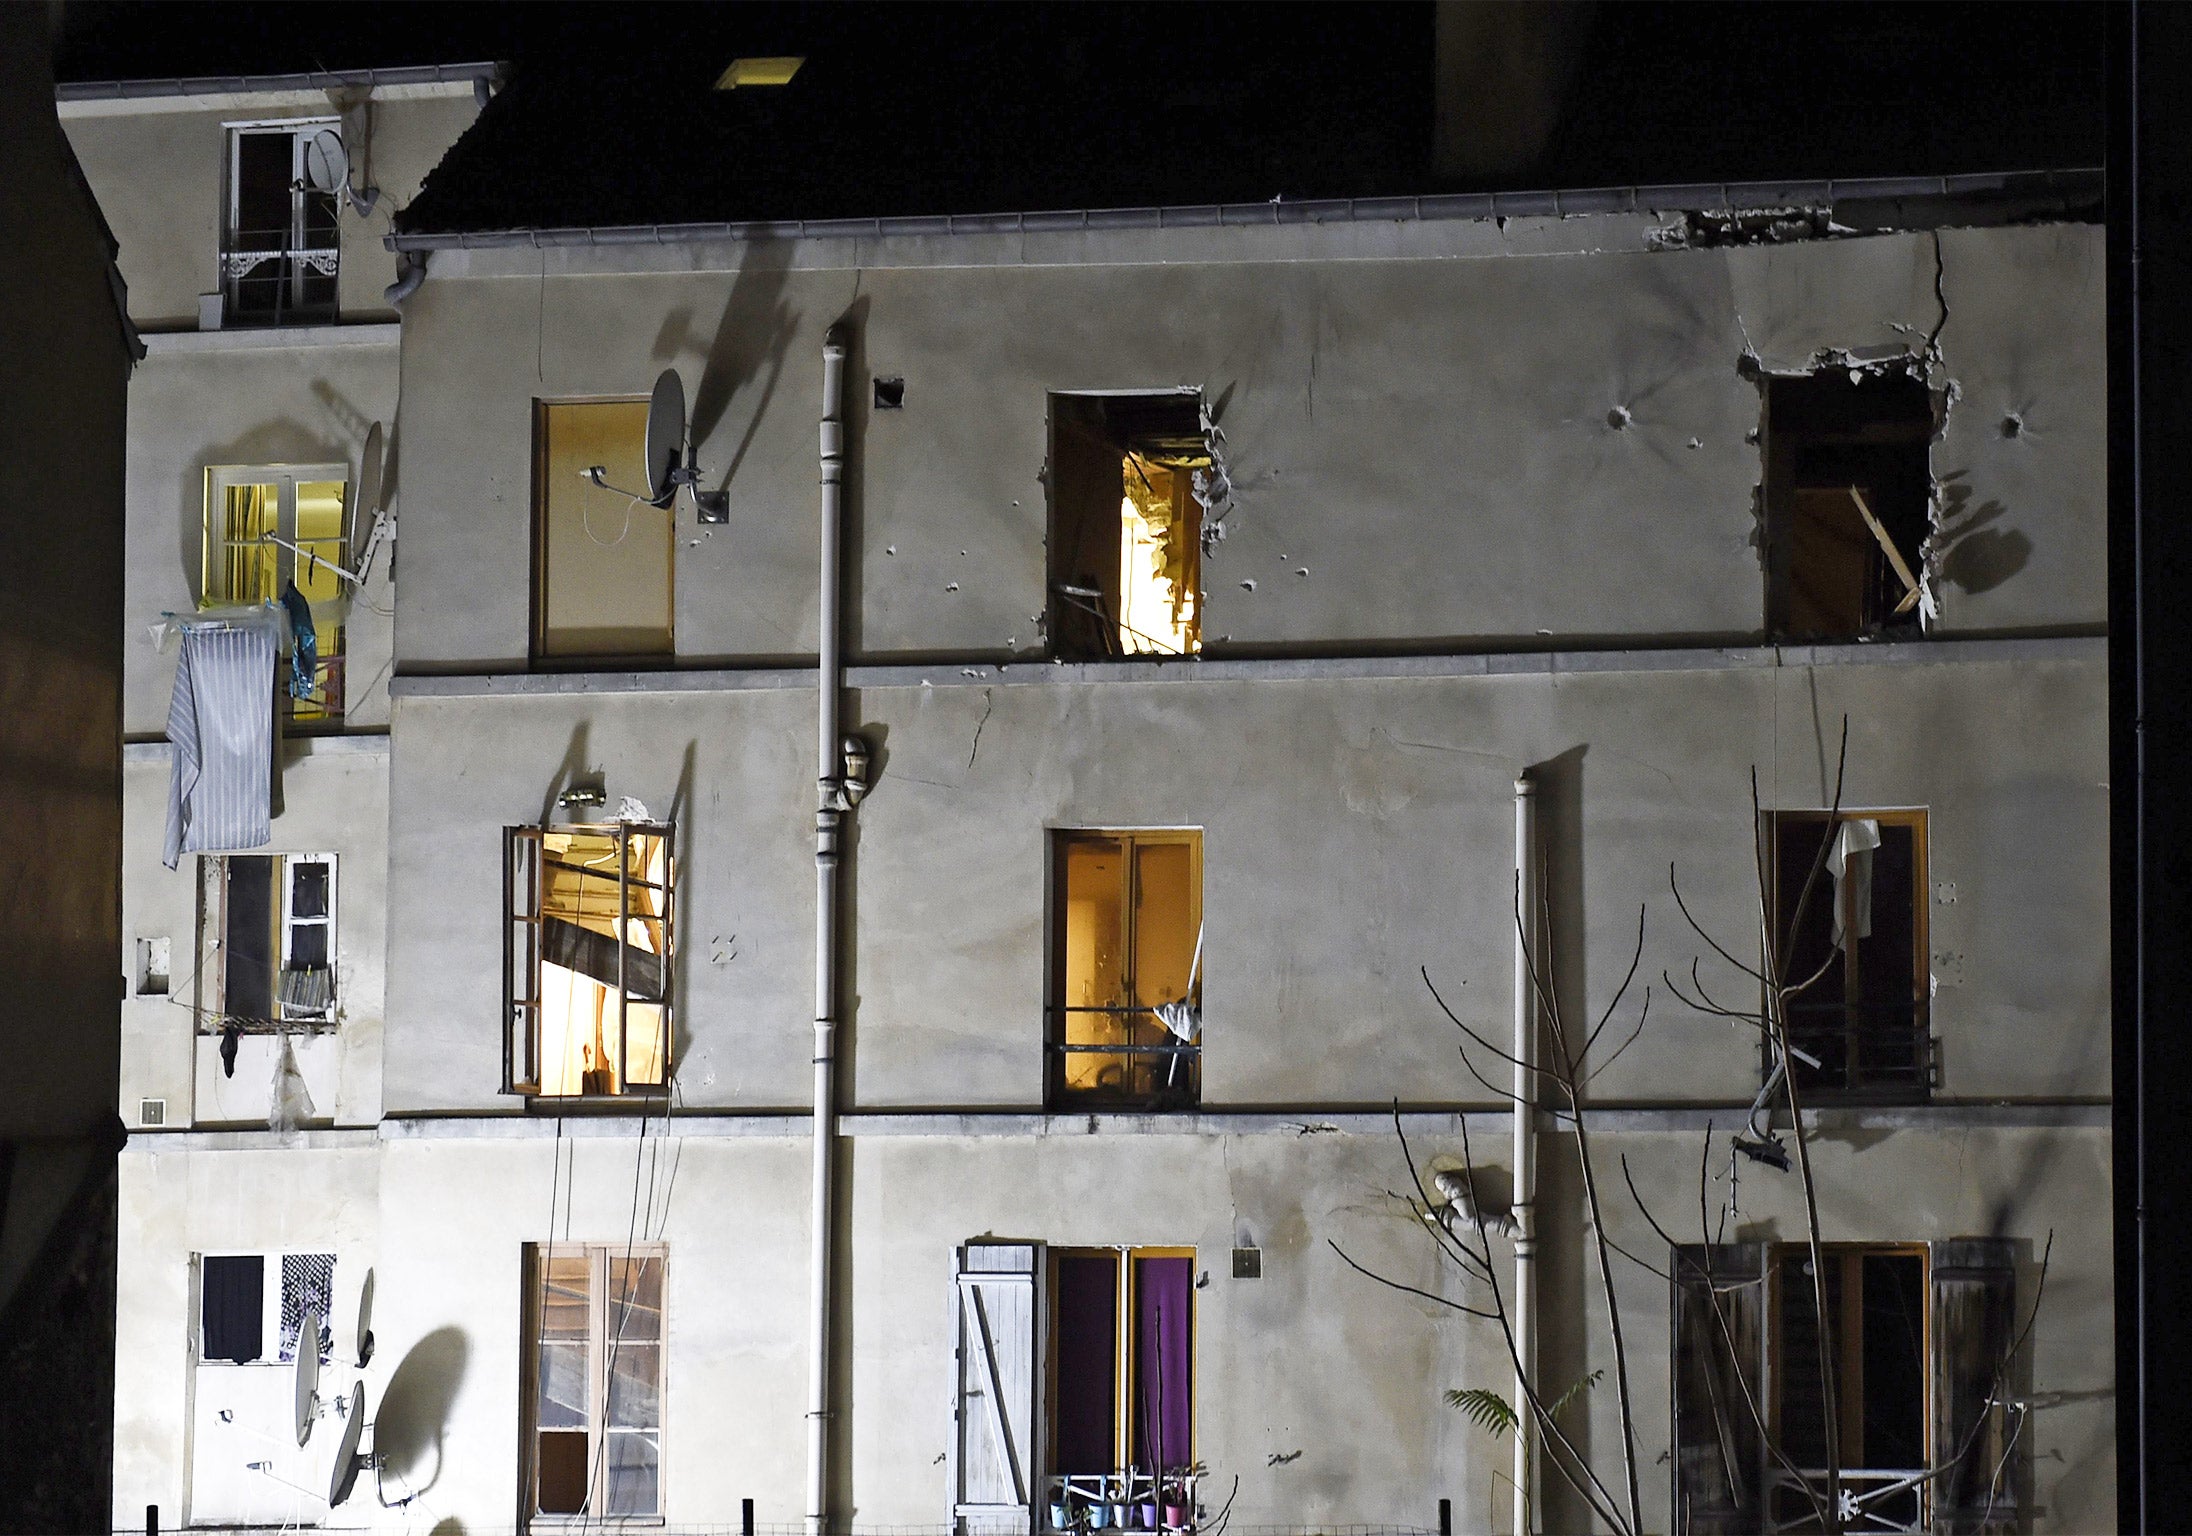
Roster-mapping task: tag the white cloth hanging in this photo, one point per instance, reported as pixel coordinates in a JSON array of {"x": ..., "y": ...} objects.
[{"x": 1851, "y": 865}]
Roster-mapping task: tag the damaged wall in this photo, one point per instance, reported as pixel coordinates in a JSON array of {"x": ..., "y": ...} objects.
[{"x": 1432, "y": 441}]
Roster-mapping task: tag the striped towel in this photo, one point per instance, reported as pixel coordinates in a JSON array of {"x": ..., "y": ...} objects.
[{"x": 220, "y": 731}]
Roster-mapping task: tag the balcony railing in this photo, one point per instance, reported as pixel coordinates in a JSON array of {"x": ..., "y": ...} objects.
[
  {"x": 1132, "y": 1500},
  {"x": 1146, "y": 1067},
  {"x": 1879, "y": 1052},
  {"x": 267, "y": 281},
  {"x": 1872, "y": 1499}
]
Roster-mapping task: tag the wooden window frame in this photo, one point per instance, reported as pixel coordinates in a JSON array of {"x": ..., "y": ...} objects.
[
  {"x": 523, "y": 896},
  {"x": 598, "y": 1257},
  {"x": 212, "y": 966},
  {"x": 1125, "y": 1379},
  {"x": 1186, "y": 1096},
  {"x": 295, "y": 254},
  {"x": 1922, "y": 1041}
]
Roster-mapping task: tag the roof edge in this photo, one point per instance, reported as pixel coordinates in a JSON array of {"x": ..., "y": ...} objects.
[
  {"x": 315, "y": 80},
  {"x": 2073, "y": 185}
]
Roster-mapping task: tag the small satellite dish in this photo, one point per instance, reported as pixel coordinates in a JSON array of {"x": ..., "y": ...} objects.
[
  {"x": 308, "y": 1373},
  {"x": 666, "y": 438},
  {"x": 348, "y": 1462},
  {"x": 364, "y": 1334},
  {"x": 326, "y": 162}
]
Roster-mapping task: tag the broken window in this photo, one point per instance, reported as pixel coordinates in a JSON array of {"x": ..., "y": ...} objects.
[
  {"x": 1848, "y": 493},
  {"x": 266, "y": 931},
  {"x": 588, "y": 943},
  {"x": 1917, "y": 1337},
  {"x": 269, "y": 528},
  {"x": 1126, "y": 965},
  {"x": 1850, "y": 921},
  {"x": 1125, "y": 525},
  {"x": 602, "y": 561},
  {"x": 279, "y": 248},
  {"x": 593, "y": 1404}
]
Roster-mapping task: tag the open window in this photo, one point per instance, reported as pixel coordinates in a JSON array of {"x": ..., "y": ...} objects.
[
  {"x": 268, "y": 527},
  {"x": 266, "y": 951},
  {"x": 1848, "y": 494},
  {"x": 602, "y": 558},
  {"x": 1924, "y": 1409},
  {"x": 1126, "y": 968},
  {"x": 1122, "y": 1379},
  {"x": 279, "y": 246},
  {"x": 1850, "y": 916},
  {"x": 1125, "y": 528},
  {"x": 587, "y": 953},
  {"x": 594, "y": 1384}
]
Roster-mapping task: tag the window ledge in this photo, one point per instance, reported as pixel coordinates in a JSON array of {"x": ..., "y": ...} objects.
[{"x": 262, "y": 338}]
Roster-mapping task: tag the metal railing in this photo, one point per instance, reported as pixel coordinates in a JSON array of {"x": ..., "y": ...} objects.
[
  {"x": 1865, "y": 1050},
  {"x": 1872, "y": 1499},
  {"x": 1130, "y": 1500},
  {"x": 267, "y": 280},
  {"x": 1147, "y": 1074}
]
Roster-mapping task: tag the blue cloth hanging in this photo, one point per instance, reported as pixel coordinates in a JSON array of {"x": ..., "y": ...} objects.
[{"x": 304, "y": 655}]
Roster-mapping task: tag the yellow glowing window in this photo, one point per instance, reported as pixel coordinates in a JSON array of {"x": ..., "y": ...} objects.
[
  {"x": 1126, "y": 526},
  {"x": 587, "y": 958},
  {"x": 1126, "y": 966},
  {"x": 252, "y": 518}
]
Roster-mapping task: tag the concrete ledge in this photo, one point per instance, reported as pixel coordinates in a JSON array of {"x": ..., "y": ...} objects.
[
  {"x": 269, "y": 338},
  {"x": 296, "y": 748},
  {"x": 1942, "y": 652},
  {"x": 325, "y": 1139}
]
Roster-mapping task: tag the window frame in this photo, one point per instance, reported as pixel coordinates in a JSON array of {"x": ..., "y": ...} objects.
[
  {"x": 213, "y": 1018},
  {"x": 213, "y": 547},
  {"x": 295, "y": 254},
  {"x": 1057, "y": 1096},
  {"x": 598, "y": 1257},
  {"x": 1779, "y": 1378},
  {"x": 542, "y": 654},
  {"x": 521, "y": 1013},
  {"x": 1071, "y": 619},
  {"x": 1924, "y": 1044}
]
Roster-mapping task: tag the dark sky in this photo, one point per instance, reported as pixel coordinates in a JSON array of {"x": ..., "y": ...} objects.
[{"x": 1656, "y": 94}]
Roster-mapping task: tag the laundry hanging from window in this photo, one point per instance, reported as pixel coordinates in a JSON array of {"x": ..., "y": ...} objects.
[{"x": 220, "y": 730}]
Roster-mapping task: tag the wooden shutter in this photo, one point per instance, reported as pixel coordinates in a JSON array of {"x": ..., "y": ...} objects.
[
  {"x": 995, "y": 1476},
  {"x": 1974, "y": 1318},
  {"x": 1719, "y": 1455}
]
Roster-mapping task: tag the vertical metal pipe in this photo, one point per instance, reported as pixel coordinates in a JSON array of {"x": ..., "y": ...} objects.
[
  {"x": 829, "y": 813},
  {"x": 1525, "y": 1148}
]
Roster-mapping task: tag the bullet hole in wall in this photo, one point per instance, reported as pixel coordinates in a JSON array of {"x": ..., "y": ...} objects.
[{"x": 890, "y": 394}]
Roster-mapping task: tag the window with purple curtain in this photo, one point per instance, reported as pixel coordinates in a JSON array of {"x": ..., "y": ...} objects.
[
  {"x": 1087, "y": 1301},
  {"x": 1164, "y": 1363}
]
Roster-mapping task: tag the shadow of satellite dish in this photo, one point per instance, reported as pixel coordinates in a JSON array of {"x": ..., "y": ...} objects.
[{"x": 414, "y": 1410}]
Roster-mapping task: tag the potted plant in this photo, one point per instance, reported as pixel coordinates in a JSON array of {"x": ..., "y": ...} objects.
[{"x": 1175, "y": 1504}]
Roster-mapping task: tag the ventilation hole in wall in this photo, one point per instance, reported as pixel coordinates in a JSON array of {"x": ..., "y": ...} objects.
[
  {"x": 152, "y": 1111},
  {"x": 890, "y": 394},
  {"x": 1248, "y": 1263}
]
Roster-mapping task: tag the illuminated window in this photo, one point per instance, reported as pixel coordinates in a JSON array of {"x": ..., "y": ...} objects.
[
  {"x": 594, "y": 1394},
  {"x": 279, "y": 247},
  {"x": 586, "y": 958},
  {"x": 602, "y": 561},
  {"x": 1125, "y": 527},
  {"x": 1126, "y": 967},
  {"x": 266, "y": 527}
]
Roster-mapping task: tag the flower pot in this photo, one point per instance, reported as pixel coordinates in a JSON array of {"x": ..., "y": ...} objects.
[
  {"x": 1099, "y": 1516},
  {"x": 1060, "y": 1518},
  {"x": 1149, "y": 1516},
  {"x": 1122, "y": 1515},
  {"x": 1175, "y": 1517}
]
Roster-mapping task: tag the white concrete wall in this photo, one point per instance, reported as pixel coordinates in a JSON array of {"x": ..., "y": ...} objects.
[
  {"x": 335, "y": 800},
  {"x": 1428, "y": 438},
  {"x": 158, "y": 165}
]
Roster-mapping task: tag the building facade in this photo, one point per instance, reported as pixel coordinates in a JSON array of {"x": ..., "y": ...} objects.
[{"x": 1206, "y": 583}]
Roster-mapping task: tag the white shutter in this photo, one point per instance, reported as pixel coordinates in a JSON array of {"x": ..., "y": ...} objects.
[{"x": 997, "y": 1391}]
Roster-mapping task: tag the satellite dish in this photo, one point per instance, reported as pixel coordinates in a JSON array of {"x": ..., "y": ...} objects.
[
  {"x": 665, "y": 438},
  {"x": 308, "y": 1373},
  {"x": 326, "y": 162},
  {"x": 348, "y": 1462},
  {"x": 364, "y": 1334}
]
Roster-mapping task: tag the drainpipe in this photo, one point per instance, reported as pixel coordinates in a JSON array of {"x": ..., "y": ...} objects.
[
  {"x": 830, "y": 806},
  {"x": 1525, "y": 1190}
]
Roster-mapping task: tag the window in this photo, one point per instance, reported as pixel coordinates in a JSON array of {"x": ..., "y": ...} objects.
[
  {"x": 1126, "y": 968},
  {"x": 1075, "y": 1383},
  {"x": 1918, "y": 1334},
  {"x": 266, "y": 941},
  {"x": 1848, "y": 493},
  {"x": 269, "y": 527},
  {"x": 244, "y": 1460},
  {"x": 1125, "y": 527},
  {"x": 279, "y": 249},
  {"x": 1862, "y": 934},
  {"x": 602, "y": 557},
  {"x": 594, "y": 1390},
  {"x": 587, "y": 952}
]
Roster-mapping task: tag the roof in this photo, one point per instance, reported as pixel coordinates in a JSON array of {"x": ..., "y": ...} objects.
[
  {"x": 969, "y": 111},
  {"x": 258, "y": 85}
]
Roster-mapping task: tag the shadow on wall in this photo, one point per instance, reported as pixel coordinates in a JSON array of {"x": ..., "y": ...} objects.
[
  {"x": 1970, "y": 554},
  {"x": 751, "y": 338},
  {"x": 414, "y": 1411}
]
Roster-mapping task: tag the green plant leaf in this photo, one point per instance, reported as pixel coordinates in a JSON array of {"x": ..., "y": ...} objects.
[
  {"x": 1574, "y": 1390},
  {"x": 1484, "y": 1408}
]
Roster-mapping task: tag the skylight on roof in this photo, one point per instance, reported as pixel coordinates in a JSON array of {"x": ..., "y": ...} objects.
[{"x": 774, "y": 71}]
